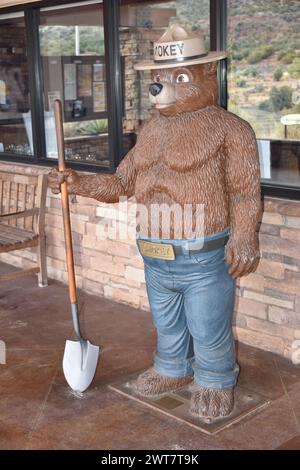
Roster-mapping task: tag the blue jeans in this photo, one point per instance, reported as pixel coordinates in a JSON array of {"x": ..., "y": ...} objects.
[{"x": 192, "y": 302}]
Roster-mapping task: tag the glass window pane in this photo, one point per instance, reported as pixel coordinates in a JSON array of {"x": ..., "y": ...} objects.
[
  {"x": 264, "y": 80},
  {"x": 73, "y": 59},
  {"x": 142, "y": 23},
  {"x": 15, "y": 116}
]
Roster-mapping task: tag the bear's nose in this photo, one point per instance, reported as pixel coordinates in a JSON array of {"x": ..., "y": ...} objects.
[{"x": 155, "y": 88}]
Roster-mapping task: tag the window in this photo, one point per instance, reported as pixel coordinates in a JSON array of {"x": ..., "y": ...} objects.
[
  {"x": 15, "y": 123},
  {"x": 66, "y": 51},
  {"x": 73, "y": 62},
  {"x": 264, "y": 81},
  {"x": 141, "y": 24}
]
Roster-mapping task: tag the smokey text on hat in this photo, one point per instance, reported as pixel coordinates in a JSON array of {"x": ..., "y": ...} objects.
[{"x": 169, "y": 50}]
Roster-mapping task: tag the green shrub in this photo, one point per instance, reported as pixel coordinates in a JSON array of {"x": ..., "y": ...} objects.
[
  {"x": 281, "y": 98},
  {"x": 282, "y": 53},
  {"x": 277, "y": 75},
  {"x": 240, "y": 54},
  {"x": 287, "y": 57},
  {"x": 289, "y": 17},
  {"x": 251, "y": 72},
  {"x": 260, "y": 53},
  {"x": 98, "y": 126},
  {"x": 265, "y": 106},
  {"x": 241, "y": 83},
  {"x": 294, "y": 68}
]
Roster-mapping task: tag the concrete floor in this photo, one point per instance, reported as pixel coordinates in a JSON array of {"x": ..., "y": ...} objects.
[{"x": 38, "y": 410}]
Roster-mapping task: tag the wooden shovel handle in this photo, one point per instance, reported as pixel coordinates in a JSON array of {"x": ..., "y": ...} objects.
[{"x": 65, "y": 202}]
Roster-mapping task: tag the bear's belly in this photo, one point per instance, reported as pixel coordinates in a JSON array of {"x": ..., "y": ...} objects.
[{"x": 181, "y": 205}]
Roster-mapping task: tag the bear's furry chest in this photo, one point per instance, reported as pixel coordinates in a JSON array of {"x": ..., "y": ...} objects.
[{"x": 182, "y": 143}]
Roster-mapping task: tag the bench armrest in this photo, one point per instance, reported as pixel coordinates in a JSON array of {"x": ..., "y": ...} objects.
[{"x": 19, "y": 215}]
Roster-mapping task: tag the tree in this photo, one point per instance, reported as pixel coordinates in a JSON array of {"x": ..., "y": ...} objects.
[{"x": 281, "y": 97}]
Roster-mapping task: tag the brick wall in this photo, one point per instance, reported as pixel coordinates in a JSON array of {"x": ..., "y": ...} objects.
[{"x": 268, "y": 301}]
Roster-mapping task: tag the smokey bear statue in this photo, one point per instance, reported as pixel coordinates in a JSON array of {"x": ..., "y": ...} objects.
[{"x": 190, "y": 153}]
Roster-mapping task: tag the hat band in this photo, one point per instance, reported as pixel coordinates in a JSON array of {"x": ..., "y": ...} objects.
[
  {"x": 179, "y": 50},
  {"x": 180, "y": 59}
]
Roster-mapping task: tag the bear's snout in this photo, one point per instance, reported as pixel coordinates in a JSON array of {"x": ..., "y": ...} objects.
[{"x": 155, "y": 88}]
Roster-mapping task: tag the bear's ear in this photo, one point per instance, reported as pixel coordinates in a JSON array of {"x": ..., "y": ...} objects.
[{"x": 211, "y": 68}]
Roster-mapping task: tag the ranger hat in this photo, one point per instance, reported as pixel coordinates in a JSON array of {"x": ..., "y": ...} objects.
[{"x": 179, "y": 45}]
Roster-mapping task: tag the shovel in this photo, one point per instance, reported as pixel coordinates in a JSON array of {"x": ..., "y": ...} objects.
[{"x": 80, "y": 357}]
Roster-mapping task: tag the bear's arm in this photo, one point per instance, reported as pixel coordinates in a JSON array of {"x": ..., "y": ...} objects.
[
  {"x": 108, "y": 188},
  {"x": 243, "y": 188}
]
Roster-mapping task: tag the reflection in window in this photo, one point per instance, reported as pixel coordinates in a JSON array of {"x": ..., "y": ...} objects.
[
  {"x": 73, "y": 59},
  {"x": 15, "y": 124},
  {"x": 142, "y": 23},
  {"x": 264, "y": 80}
]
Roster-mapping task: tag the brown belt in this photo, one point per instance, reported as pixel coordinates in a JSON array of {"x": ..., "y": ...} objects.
[{"x": 168, "y": 251}]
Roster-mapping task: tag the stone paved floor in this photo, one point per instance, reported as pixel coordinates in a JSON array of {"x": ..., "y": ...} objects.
[{"x": 38, "y": 410}]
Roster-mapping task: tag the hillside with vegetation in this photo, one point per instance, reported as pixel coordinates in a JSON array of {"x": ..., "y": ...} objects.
[
  {"x": 264, "y": 63},
  {"x": 263, "y": 54}
]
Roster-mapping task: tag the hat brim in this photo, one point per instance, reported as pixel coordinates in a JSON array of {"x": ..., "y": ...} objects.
[{"x": 151, "y": 65}]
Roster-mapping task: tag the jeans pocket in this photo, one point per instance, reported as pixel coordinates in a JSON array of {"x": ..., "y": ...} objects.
[{"x": 209, "y": 258}]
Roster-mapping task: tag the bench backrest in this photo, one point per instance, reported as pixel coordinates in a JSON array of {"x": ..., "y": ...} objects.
[{"x": 23, "y": 192}]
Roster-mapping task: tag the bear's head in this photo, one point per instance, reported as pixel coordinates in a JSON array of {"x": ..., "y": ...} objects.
[{"x": 184, "y": 89}]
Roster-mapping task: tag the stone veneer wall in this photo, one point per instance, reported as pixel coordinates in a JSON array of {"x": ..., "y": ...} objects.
[
  {"x": 136, "y": 44},
  {"x": 268, "y": 301},
  {"x": 129, "y": 39}
]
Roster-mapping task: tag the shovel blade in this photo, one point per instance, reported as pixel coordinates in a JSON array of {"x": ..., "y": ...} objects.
[{"x": 79, "y": 369}]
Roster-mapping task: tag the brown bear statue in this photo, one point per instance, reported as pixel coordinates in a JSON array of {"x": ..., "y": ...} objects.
[{"x": 190, "y": 153}]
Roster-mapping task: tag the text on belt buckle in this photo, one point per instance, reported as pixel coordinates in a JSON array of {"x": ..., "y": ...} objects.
[{"x": 157, "y": 250}]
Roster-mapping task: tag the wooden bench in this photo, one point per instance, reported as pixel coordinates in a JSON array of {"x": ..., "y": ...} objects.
[{"x": 22, "y": 220}]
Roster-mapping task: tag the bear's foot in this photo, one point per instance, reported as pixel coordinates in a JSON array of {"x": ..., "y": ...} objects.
[
  {"x": 211, "y": 402},
  {"x": 151, "y": 384}
]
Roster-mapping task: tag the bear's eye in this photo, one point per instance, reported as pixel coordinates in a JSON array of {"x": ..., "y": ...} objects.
[{"x": 182, "y": 78}]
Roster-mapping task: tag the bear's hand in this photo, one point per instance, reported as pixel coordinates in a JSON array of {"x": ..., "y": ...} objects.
[
  {"x": 56, "y": 178},
  {"x": 242, "y": 255}
]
